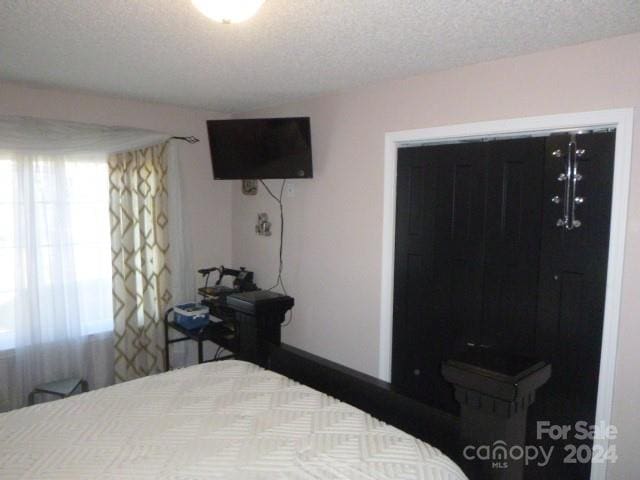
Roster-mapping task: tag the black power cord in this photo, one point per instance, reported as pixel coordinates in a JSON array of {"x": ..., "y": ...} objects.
[{"x": 279, "y": 281}]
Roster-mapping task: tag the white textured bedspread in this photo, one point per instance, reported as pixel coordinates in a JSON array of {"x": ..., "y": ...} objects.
[{"x": 224, "y": 420}]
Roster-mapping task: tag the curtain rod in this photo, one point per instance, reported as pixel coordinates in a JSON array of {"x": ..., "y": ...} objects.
[{"x": 189, "y": 139}]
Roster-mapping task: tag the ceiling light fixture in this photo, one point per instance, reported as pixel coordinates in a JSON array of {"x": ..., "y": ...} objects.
[{"x": 228, "y": 11}]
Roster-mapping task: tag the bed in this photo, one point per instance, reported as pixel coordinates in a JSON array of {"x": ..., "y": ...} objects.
[{"x": 227, "y": 420}]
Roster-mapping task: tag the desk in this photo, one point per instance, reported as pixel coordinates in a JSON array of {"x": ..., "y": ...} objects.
[
  {"x": 251, "y": 323},
  {"x": 221, "y": 333}
]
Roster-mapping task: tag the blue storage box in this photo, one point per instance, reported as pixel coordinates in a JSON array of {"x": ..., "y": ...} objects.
[{"x": 191, "y": 315}]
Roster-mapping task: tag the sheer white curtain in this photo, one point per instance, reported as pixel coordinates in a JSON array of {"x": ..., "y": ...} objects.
[
  {"x": 55, "y": 300},
  {"x": 55, "y": 289},
  {"x": 183, "y": 280}
]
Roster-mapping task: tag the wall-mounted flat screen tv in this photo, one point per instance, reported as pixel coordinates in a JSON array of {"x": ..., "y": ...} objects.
[{"x": 260, "y": 148}]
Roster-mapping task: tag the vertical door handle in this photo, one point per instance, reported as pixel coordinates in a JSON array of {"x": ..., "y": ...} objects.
[
  {"x": 575, "y": 178},
  {"x": 570, "y": 177},
  {"x": 565, "y": 177}
]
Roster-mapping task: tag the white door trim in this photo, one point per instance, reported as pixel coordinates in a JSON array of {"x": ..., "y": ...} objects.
[{"x": 622, "y": 121}]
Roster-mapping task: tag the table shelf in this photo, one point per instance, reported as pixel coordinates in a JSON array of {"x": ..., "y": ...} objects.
[{"x": 223, "y": 334}]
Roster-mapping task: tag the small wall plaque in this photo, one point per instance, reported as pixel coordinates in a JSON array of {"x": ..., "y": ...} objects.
[
  {"x": 250, "y": 187},
  {"x": 263, "y": 227}
]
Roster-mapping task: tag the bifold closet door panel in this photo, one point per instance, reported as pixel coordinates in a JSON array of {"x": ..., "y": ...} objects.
[
  {"x": 467, "y": 216},
  {"x": 573, "y": 267},
  {"x": 438, "y": 253},
  {"x": 573, "y": 276},
  {"x": 512, "y": 235}
]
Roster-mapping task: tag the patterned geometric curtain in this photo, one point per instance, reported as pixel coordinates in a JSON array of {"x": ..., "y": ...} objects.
[{"x": 140, "y": 246}]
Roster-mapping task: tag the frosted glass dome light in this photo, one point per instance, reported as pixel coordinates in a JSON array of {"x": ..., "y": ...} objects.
[{"x": 228, "y": 11}]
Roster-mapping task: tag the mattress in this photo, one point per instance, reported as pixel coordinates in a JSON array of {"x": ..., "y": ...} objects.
[{"x": 224, "y": 420}]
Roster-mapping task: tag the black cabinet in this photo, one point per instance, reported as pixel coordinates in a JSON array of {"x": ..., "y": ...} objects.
[{"x": 258, "y": 316}]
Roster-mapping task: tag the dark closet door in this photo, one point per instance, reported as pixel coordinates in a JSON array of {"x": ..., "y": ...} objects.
[
  {"x": 468, "y": 222},
  {"x": 573, "y": 275},
  {"x": 480, "y": 259}
]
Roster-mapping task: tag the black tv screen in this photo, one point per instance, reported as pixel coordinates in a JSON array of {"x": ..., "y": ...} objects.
[{"x": 260, "y": 148}]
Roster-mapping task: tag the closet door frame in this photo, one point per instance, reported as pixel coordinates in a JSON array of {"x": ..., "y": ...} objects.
[{"x": 622, "y": 121}]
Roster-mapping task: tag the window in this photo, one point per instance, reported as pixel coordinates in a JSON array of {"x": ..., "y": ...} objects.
[{"x": 54, "y": 249}]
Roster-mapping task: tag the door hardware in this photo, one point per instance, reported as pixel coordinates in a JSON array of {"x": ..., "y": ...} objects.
[{"x": 570, "y": 177}]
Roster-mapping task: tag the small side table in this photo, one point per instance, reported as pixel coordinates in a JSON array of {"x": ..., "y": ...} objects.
[
  {"x": 60, "y": 388},
  {"x": 223, "y": 334}
]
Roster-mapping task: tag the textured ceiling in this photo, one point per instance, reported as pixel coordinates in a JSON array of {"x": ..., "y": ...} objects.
[{"x": 166, "y": 51}]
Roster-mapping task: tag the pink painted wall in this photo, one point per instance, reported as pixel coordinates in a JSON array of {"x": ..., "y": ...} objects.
[
  {"x": 334, "y": 222},
  {"x": 207, "y": 203},
  {"x": 333, "y": 238}
]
